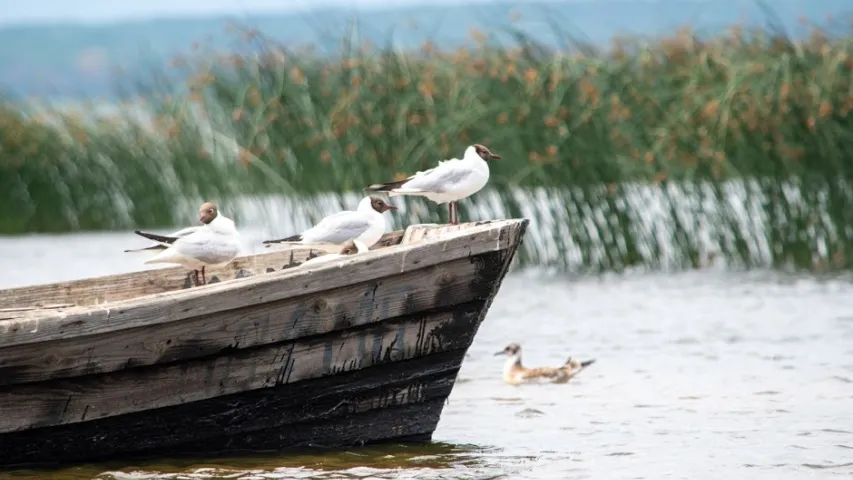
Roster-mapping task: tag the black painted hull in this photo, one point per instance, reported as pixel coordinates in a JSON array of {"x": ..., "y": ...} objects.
[{"x": 312, "y": 413}]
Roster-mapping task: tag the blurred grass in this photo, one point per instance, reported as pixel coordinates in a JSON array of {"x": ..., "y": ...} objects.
[
  {"x": 674, "y": 112},
  {"x": 62, "y": 171}
]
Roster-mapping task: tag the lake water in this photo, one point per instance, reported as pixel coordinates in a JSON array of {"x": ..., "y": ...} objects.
[{"x": 699, "y": 375}]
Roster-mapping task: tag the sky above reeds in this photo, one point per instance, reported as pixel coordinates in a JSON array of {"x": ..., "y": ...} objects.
[
  {"x": 105, "y": 11},
  {"x": 63, "y": 47}
]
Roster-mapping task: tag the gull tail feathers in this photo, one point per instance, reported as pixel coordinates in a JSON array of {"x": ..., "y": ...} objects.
[
  {"x": 290, "y": 239},
  {"x": 406, "y": 191},
  {"x": 168, "y": 255},
  {"x": 583, "y": 364},
  {"x": 155, "y": 237},
  {"x": 386, "y": 187},
  {"x": 152, "y": 247}
]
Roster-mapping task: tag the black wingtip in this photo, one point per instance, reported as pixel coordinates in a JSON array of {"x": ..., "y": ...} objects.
[
  {"x": 385, "y": 187},
  {"x": 154, "y": 237},
  {"x": 292, "y": 238}
]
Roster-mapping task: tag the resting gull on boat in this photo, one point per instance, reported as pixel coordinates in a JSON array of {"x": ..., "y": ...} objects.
[
  {"x": 448, "y": 182},
  {"x": 351, "y": 247},
  {"x": 214, "y": 243},
  {"x": 366, "y": 224}
]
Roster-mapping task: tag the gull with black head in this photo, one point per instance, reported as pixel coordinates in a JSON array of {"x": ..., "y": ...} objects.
[
  {"x": 214, "y": 243},
  {"x": 448, "y": 182},
  {"x": 366, "y": 224}
]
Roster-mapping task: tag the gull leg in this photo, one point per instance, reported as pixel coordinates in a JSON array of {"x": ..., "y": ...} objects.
[
  {"x": 203, "y": 276},
  {"x": 195, "y": 277},
  {"x": 455, "y": 220}
]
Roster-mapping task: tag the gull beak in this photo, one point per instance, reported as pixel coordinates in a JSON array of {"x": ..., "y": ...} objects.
[
  {"x": 495, "y": 156},
  {"x": 390, "y": 207},
  {"x": 500, "y": 353}
]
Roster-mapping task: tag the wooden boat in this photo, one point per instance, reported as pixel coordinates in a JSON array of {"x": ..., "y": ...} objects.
[{"x": 360, "y": 350}]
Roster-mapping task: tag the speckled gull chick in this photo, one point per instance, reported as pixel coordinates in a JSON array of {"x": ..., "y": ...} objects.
[
  {"x": 214, "y": 243},
  {"x": 515, "y": 373},
  {"x": 366, "y": 224},
  {"x": 448, "y": 182}
]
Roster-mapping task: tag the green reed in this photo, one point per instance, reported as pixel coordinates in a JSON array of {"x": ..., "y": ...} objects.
[
  {"x": 745, "y": 104},
  {"x": 675, "y": 113},
  {"x": 62, "y": 171}
]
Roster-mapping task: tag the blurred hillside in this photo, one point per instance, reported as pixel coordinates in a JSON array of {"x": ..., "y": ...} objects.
[{"x": 68, "y": 60}]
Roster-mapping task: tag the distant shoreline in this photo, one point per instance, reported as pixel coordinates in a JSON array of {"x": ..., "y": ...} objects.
[{"x": 73, "y": 61}]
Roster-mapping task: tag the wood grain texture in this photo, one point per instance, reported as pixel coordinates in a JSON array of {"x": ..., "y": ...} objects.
[
  {"x": 426, "y": 289},
  {"x": 357, "y": 351},
  {"x": 92, "y": 397},
  {"x": 113, "y": 288},
  {"x": 179, "y": 305},
  {"x": 340, "y": 410},
  {"x": 419, "y": 233}
]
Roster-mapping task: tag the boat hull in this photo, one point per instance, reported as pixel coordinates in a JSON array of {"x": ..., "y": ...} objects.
[
  {"x": 399, "y": 402},
  {"x": 277, "y": 362}
]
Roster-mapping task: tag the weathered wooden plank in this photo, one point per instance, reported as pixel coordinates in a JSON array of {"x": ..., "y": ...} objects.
[
  {"x": 173, "y": 306},
  {"x": 419, "y": 233},
  {"x": 430, "y": 288},
  {"x": 92, "y": 397},
  {"x": 113, "y": 288},
  {"x": 249, "y": 419},
  {"x": 45, "y": 307}
]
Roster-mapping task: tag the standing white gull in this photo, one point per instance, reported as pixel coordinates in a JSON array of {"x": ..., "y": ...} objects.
[
  {"x": 448, "y": 182},
  {"x": 216, "y": 242},
  {"x": 351, "y": 247},
  {"x": 365, "y": 224}
]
